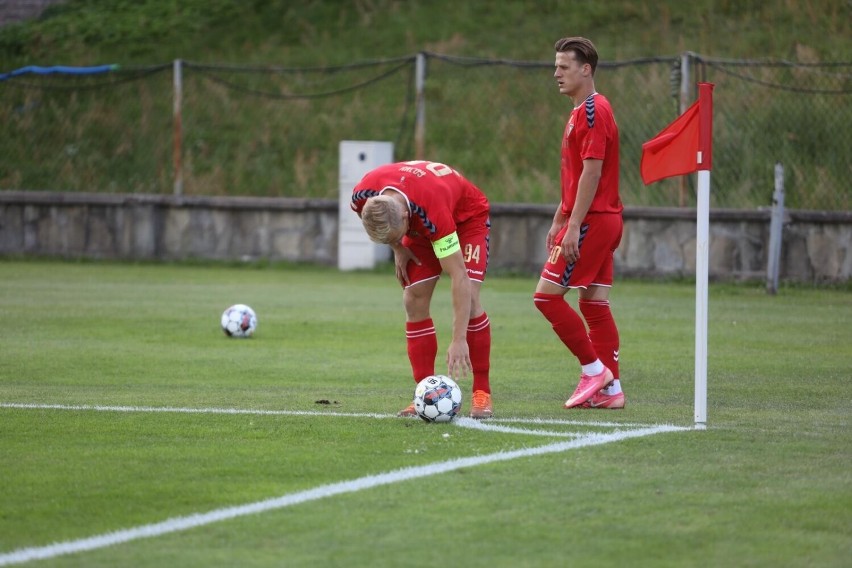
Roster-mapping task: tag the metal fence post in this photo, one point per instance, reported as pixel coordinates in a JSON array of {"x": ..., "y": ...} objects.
[
  {"x": 177, "y": 143},
  {"x": 420, "y": 112},
  {"x": 776, "y": 226},
  {"x": 684, "y": 103}
]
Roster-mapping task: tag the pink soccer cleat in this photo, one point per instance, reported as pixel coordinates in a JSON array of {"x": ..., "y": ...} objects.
[
  {"x": 602, "y": 400},
  {"x": 589, "y": 385}
]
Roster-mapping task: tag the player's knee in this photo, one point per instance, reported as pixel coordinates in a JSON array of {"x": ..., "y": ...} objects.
[
  {"x": 539, "y": 299},
  {"x": 416, "y": 307},
  {"x": 545, "y": 303},
  {"x": 476, "y": 308}
]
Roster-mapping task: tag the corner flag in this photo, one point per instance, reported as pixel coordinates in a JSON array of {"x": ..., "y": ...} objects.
[{"x": 683, "y": 147}]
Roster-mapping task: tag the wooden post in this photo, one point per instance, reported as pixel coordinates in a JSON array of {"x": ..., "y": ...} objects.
[{"x": 177, "y": 144}]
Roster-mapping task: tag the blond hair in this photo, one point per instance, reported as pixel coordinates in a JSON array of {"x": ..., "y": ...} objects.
[{"x": 383, "y": 219}]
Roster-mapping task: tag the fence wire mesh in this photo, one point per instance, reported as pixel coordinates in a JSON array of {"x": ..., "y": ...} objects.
[{"x": 274, "y": 131}]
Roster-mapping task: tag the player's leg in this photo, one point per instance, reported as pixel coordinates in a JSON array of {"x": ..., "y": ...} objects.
[
  {"x": 603, "y": 332},
  {"x": 556, "y": 277},
  {"x": 595, "y": 307},
  {"x": 417, "y": 299},
  {"x": 549, "y": 299},
  {"x": 566, "y": 322},
  {"x": 479, "y": 346},
  {"x": 474, "y": 237},
  {"x": 420, "y": 335},
  {"x": 479, "y": 340}
]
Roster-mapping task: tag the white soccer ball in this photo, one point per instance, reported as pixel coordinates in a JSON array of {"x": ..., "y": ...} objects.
[
  {"x": 437, "y": 398},
  {"x": 239, "y": 321}
]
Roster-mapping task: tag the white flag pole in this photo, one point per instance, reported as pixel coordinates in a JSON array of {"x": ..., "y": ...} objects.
[
  {"x": 702, "y": 263},
  {"x": 662, "y": 149}
]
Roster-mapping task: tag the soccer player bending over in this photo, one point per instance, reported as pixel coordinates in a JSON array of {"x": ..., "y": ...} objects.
[
  {"x": 586, "y": 230},
  {"x": 436, "y": 221}
]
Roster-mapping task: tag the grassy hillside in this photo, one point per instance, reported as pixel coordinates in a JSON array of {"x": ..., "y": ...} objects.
[
  {"x": 263, "y": 132},
  {"x": 334, "y": 31}
]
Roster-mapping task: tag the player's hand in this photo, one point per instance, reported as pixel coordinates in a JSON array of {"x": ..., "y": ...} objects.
[
  {"x": 458, "y": 360},
  {"x": 550, "y": 239},
  {"x": 559, "y": 221},
  {"x": 401, "y": 257},
  {"x": 571, "y": 245}
]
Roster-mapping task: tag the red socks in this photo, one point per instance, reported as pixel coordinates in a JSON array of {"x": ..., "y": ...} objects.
[
  {"x": 479, "y": 344},
  {"x": 422, "y": 347},
  {"x": 568, "y": 325},
  {"x": 602, "y": 332}
]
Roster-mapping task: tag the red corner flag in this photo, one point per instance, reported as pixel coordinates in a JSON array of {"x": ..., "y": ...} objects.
[{"x": 685, "y": 145}]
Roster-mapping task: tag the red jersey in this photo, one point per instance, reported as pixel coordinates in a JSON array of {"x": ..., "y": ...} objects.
[
  {"x": 591, "y": 133},
  {"x": 439, "y": 198}
]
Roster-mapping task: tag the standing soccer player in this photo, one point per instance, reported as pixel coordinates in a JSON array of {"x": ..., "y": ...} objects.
[
  {"x": 586, "y": 230},
  {"x": 436, "y": 221}
]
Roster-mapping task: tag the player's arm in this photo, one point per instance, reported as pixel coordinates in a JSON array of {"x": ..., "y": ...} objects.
[
  {"x": 402, "y": 255},
  {"x": 586, "y": 189},
  {"x": 450, "y": 256},
  {"x": 357, "y": 204},
  {"x": 559, "y": 220}
]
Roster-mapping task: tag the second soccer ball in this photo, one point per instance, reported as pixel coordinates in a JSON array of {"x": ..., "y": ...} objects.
[{"x": 239, "y": 321}]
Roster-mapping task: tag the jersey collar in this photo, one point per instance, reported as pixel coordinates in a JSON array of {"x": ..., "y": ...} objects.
[{"x": 392, "y": 188}]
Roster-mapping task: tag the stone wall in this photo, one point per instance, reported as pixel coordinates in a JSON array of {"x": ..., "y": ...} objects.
[{"x": 817, "y": 246}]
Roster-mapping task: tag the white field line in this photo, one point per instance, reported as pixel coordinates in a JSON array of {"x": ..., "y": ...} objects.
[
  {"x": 596, "y": 423},
  {"x": 200, "y": 519},
  {"x": 485, "y": 427},
  {"x": 259, "y": 412},
  {"x": 181, "y": 410},
  {"x": 176, "y": 524}
]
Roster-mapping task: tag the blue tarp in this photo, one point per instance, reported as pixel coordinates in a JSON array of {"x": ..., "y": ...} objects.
[{"x": 59, "y": 69}]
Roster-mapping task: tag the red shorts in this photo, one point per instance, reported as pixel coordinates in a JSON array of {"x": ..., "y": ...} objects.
[
  {"x": 474, "y": 237},
  {"x": 600, "y": 235}
]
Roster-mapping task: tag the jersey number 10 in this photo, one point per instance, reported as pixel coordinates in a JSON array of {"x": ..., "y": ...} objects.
[{"x": 436, "y": 168}]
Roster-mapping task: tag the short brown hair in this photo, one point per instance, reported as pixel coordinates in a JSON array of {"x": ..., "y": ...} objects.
[{"x": 583, "y": 49}]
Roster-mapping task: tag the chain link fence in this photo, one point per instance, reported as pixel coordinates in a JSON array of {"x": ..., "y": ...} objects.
[{"x": 196, "y": 129}]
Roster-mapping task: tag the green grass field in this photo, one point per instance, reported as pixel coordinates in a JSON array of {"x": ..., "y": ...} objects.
[{"x": 115, "y": 381}]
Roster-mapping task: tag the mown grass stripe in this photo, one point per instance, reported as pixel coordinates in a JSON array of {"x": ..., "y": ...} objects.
[{"x": 188, "y": 522}]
